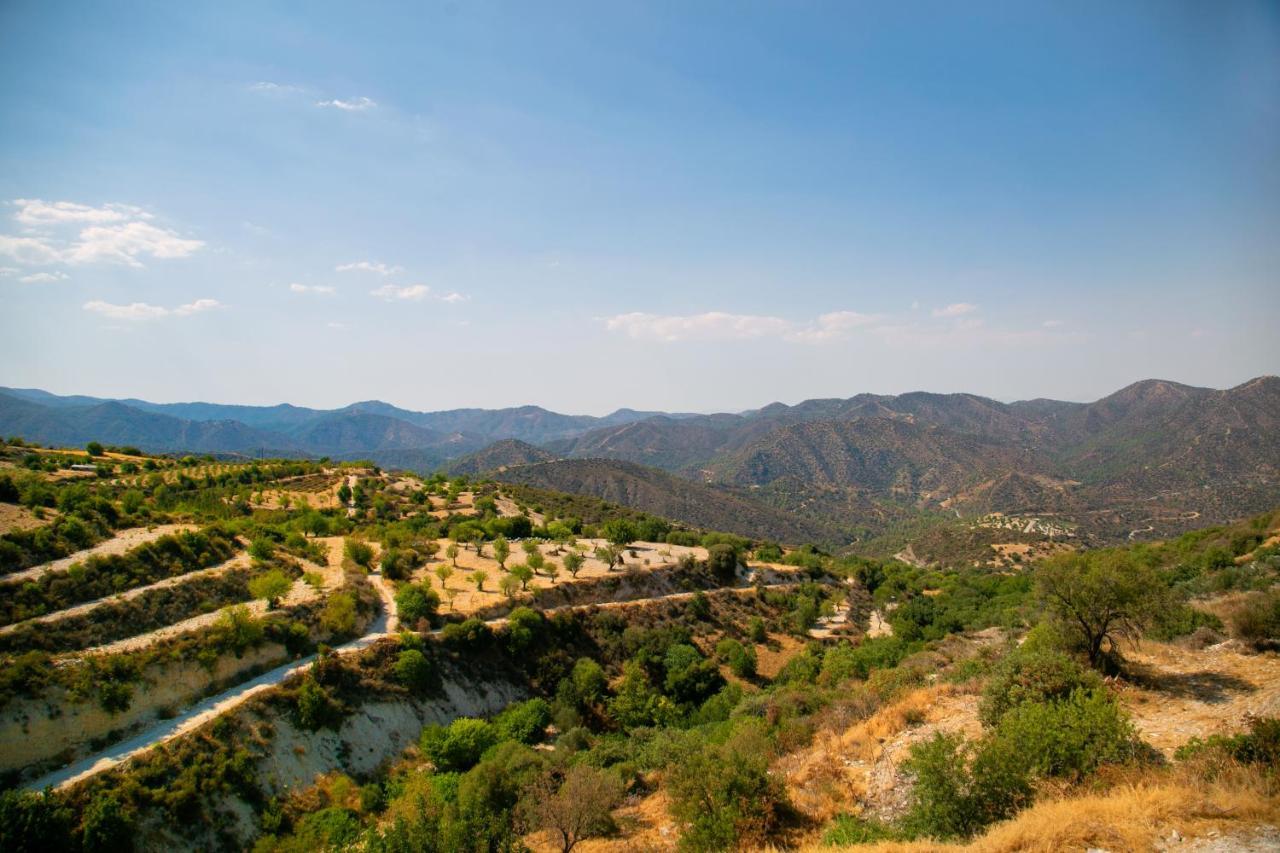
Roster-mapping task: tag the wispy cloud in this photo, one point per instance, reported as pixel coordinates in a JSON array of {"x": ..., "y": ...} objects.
[
  {"x": 355, "y": 105},
  {"x": 311, "y": 288},
  {"x": 955, "y": 309},
  {"x": 410, "y": 293},
  {"x": 712, "y": 325},
  {"x": 946, "y": 330},
  {"x": 1052, "y": 324},
  {"x": 71, "y": 233},
  {"x": 144, "y": 311},
  {"x": 28, "y": 251},
  {"x": 453, "y": 297},
  {"x": 722, "y": 325},
  {"x": 43, "y": 277},
  {"x": 267, "y": 87},
  {"x": 369, "y": 266},
  {"x": 36, "y": 212}
]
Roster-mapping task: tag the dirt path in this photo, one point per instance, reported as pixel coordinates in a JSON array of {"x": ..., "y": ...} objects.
[
  {"x": 121, "y": 542},
  {"x": 238, "y": 561},
  {"x": 166, "y": 730},
  {"x": 300, "y": 593},
  {"x": 1190, "y": 693}
]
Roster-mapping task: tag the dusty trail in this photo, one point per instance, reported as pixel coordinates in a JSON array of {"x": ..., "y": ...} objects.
[
  {"x": 123, "y": 541},
  {"x": 238, "y": 561},
  {"x": 161, "y": 732}
]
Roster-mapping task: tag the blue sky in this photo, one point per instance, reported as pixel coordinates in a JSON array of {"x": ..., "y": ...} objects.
[{"x": 659, "y": 205}]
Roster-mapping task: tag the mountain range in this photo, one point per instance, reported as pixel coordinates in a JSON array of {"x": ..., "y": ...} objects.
[{"x": 1155, "y": 454}]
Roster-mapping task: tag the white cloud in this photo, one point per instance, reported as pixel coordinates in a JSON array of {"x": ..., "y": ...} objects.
[
  {"x": 712, "y": 325},
  {"x": 132, "y": 311},
  {"x": 369, "y": 266},
  {"x": 117, "y": 233},
  {"x": 43, "y": 277},
  {"x": 143, "y": 311},
  {"x": 453, "y": 297},
  {"x": 7, "y": 271},
  {"x": 311, "y": 288},
  {"x": 196, "y": 307},
  {"x": 956, "y": 309},
  {"x": 724, "y": 326},
  {"x": 356, "y": 105},
  {"x": 36, "y": 212},
  {"x": 837, "y": 324},
  {"x": 266, "y": 87},
  {"x": 125, "y": 243},
  {"x": 28, "y": 251},
  {"x": 1052, "y": 324},
  {"x": 335, "y": 325},
  {"x": 412, "y": 292}
]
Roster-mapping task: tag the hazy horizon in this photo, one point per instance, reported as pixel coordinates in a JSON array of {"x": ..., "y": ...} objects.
[{"x": 597, "y": 413}]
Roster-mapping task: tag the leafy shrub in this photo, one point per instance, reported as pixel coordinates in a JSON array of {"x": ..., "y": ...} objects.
[
  {"x": 1032, "y": 676},
  {"x": 1179, "y": 621},
  {"x": 740, "y": 659},
  {"x": 847, "y": 830},
  {"x": 414, "y": 671},
  {"x": 960, "y": 789},
  {"x": 459, "y": 746},
  {"x": 1069, "y": 738},
  {"x": 416, "y": 602},
  {"x": 1257, "y": 621},
  {"x": 33, "y": 823},
  {"x": 845, "y": 661},
  {"x": 524, "y": 721},
  {"x": 724, "y": 795},
  {"x": 315, "y": 708},
  {"x": 1260, "y": 745}
]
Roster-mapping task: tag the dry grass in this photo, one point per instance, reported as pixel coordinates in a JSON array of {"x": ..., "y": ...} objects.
[
  {"x": 1132, "y": 816},
  {"x": 855, "y": 768}
]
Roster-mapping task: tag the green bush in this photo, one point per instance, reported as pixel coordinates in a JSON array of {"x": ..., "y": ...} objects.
[
  {"x": 960, "y": 789},
  {"x": 414, "y": 671},
  {"x": 416, "y": 602},
  {"x": 1069, "y": 738},
  {"x": 724, "y": 796},
  {"x": 525, "y": 722},
  {"x": 1260, "y": 745},
  {"x": 845, "y": 661},
  {"x": 1257, "y": 621},
  {"x": 740, "y": 659},
  {"x": 459, "y": 746},
  {"x": 33, "y": 823},
  {"x": 847, "y": 830},
  {"x": 1032, "y": 675}
]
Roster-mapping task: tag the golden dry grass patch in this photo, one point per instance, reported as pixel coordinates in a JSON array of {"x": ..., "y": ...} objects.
[{"x": 1130, "y": 817}]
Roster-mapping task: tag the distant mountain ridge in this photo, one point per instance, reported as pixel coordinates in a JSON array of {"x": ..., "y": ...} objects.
[{"x": 1150, "y": 456}]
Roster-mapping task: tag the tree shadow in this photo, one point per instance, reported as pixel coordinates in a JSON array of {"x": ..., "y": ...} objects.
[{"x": 1205, "y": 685}]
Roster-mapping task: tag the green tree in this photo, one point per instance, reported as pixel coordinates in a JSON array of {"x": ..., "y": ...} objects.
[
  {"x": 501, "y": 550},
  {"x": 1100, "y": 598},
  {"x": 452, "y": 553},
  {"x": 270, "y": 586},
  {"x": 106, "y": 826},
  {"x": 509, "y": 584},
  {"x": 93, "y": 448},
  {"x": 444, "y": 572},
  {"x": 415, "y": 602},
  {"x": 523, "y": 573},
  {"x": 477, "y": 577},
  {"x": 576, "y": 807},
  {"x": 339, "y": 614},
  {"x": 619, "y": 532},
  {"x": 358, "y": 552},
  {"x": 609, "y": 555},
  {"x": 414, "y": 671},
  {"x": 573, "y": 563}
]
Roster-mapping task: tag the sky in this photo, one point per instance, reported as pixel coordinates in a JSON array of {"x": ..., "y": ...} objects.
[{"x": 664, "y": 205}]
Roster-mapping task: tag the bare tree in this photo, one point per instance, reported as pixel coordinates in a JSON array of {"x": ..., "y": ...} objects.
[{"x": 576, "y": 808}]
